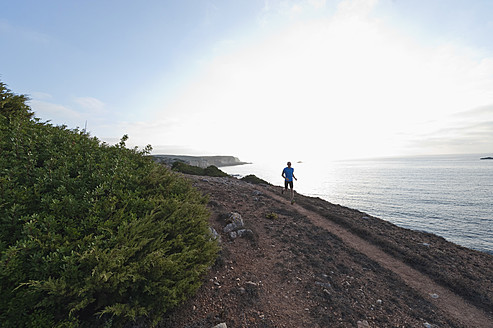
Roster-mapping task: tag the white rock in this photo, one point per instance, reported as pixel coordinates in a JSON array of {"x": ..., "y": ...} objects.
[{"x": 221, "y": 325}]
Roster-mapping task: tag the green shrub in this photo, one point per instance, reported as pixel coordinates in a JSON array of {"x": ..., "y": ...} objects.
[
  {"x": 92, "y": 234},
  {"x": 254, "y": 179},
  {"x": 211, "y": 171},
  {"x": 187, "y": 168}
]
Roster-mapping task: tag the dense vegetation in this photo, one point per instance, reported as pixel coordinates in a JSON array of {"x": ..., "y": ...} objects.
[{"x": 91, "y": 234}]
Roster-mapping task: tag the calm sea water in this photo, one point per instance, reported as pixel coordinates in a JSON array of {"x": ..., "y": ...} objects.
[{"x": 451, "y": 196}]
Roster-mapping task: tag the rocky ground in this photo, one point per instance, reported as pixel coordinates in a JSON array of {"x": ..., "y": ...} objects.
[{"x": 316, "y": 264}]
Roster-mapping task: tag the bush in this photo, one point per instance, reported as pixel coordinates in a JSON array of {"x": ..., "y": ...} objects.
[
  {"x": 211, "y": 171},
  {"x": 254, "y": 179},
  {"x": 92, "y": 234}
]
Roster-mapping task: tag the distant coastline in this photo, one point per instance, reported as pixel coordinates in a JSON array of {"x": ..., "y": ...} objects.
[
  {"x": 486, "y": 158},
  {"x": 200, "y": 161}
]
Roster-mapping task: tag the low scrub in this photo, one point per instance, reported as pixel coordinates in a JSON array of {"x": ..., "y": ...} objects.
[
  {"x": 254, "y": 179},
  {"x": 91, "y": 234},
  {"x": 210, "y": 171}
]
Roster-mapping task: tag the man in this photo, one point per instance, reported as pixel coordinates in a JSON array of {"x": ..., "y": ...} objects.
[{"x": 288, "y": 175}]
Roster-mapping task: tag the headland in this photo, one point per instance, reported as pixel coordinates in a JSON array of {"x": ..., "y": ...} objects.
[{"x": 318, "y": 264}]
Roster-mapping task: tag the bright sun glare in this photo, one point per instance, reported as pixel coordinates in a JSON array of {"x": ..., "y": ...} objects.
[{"x": 344, "y": 86}]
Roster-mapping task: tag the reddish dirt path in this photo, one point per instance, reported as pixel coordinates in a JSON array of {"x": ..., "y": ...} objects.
[
  {"x": 317, "y": 264},
  {"x": 455, "y": 306}
]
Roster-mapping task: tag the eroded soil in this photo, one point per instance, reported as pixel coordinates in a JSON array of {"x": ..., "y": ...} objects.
[{"x": 316, "y": 264}]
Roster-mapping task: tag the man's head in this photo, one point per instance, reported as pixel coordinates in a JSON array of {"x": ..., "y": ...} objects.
[{"x": 289, "y": 164}]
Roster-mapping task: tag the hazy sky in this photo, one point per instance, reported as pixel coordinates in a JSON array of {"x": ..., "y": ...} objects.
[{"x": 252, "y": 78}]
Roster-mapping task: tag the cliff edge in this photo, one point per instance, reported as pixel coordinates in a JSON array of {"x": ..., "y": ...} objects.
[{"x": 317, "y": 264}]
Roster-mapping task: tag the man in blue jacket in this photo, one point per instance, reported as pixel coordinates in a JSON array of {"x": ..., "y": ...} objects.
[{"x": 288, "y": 175}]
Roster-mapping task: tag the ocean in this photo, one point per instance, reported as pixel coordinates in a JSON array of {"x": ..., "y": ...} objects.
[{"x": 450, "y": 196}]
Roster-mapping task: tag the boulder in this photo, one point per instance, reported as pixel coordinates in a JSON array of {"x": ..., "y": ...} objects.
[{"x": 236, "y": 222}]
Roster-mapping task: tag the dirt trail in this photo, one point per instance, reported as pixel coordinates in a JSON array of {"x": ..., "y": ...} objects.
[
  {"x": 467, "y": 314},
  {"x": 317, "y": 264}
]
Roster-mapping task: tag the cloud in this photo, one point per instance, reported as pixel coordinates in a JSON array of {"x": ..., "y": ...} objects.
[
  {"x": 474, "y": 130},
  {"x": 211, "y": 13},
  {"x": 296, "y": 9},
  {"x": 56, "y": 113},
  {"x": 466, "y": 136},
  {"x": 90, "y": 103},
  {"x": 477, "y": 113},
  {"x": 356, "y": 8},
  {"x": 86, "y": 109},
  {"x": 41, "y": 95},
  {"x": 454, "y": 145},
  {"x": 275, "y": 13},
  {"x": 318, "y": 4}
]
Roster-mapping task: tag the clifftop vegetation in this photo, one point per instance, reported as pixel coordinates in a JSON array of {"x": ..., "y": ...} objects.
[{"x": 91, "y": 234}]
